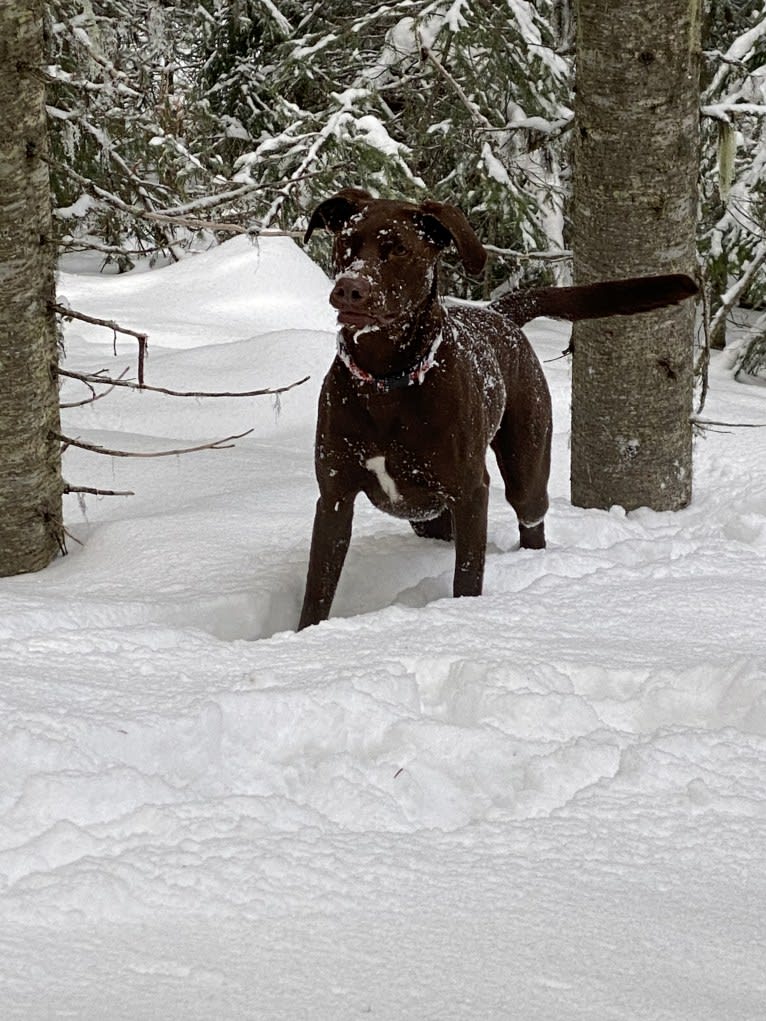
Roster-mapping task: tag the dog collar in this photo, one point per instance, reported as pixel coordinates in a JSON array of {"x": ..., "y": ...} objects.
[{"x": 384, "y": 384}]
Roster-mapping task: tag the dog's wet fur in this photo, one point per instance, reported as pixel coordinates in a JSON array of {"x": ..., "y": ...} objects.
[{"x": 419, "y": 391}]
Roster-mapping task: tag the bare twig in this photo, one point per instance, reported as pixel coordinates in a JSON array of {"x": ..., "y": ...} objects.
[
  {"x": 95, "y": 448},
  {"x": 702, "y": 368},
  {"x": 69, "y": 313},
  {"x": 95, "y": 377},
  {"x": 728, "y": 425},
  {"x": 109, "y": 324},
  {"x": 62, "y": 543},
  {"x": 96, "y": 492},
  {"x": 95, "y": 397}
]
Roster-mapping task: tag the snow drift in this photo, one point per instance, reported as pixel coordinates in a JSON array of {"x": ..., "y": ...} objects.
[{"x": 548, "y": 802}]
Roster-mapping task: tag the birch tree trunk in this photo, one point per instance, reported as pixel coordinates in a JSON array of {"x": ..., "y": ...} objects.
[
  {"x": 634, "y": 212},
  {"x": 30, "y": 470}
]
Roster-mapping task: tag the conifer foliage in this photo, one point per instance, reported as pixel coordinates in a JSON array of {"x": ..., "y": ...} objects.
[
  {"x": 733, "y": 235},
  {"x": 465, "y": 101},
  {"x": 273, "y": 107},
  {"x": 166, "y": 116}
]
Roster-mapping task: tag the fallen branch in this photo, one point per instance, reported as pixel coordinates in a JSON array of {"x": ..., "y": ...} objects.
[
  {"x": 95, "y": 448},
  {"x": 95, "y": 377}
]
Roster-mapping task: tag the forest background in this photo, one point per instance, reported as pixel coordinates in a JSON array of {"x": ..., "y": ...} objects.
[{"x": 171, "y": 120}]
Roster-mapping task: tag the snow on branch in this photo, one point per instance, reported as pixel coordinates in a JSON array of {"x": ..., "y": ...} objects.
[{"x": 728, "y": 111}]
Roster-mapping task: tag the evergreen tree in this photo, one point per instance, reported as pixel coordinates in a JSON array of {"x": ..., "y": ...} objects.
[
  {"x": 157, "y": 106},
  {"x": 463, "y": 100},
  {"x": 733, "y": 171},
  {"x": 128, "y": 144},
  {"x": 252, "y": 111}
]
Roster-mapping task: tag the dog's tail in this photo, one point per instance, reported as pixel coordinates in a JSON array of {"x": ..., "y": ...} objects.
[{"x": 594, "y": 301}]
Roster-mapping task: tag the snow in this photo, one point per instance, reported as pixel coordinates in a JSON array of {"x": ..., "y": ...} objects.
[{"x": 547, "y": 802}]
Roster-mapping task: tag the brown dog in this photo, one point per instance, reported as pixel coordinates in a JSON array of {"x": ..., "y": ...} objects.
[{"x": 418, "y": 392}]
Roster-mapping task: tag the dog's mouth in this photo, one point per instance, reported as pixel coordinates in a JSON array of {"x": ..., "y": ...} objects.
[{"x": 359, "y": 319}]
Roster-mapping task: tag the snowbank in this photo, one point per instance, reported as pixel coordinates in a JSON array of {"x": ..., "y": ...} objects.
[{"x": 549, "y": 802}]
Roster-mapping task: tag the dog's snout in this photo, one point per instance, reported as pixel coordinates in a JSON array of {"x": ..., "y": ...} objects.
[{"x": 350, "y": 292}]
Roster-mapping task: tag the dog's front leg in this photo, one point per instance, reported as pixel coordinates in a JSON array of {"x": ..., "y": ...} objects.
[
  {"x": 329, "y": 545},
  {"x": 469, "y": 525}
]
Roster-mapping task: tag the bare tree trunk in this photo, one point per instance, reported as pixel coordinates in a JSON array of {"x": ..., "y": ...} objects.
[
  {"x": 30, "y": 469},
  {"x": 634, "y": 212}
]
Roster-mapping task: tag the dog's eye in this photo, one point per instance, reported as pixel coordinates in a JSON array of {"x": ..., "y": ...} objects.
[{"x": 394, "y": 248}]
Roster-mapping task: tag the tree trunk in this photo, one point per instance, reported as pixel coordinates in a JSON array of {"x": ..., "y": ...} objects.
[
  {"x": 634, "y": 212},
  {"x": 30, "y": 468}
]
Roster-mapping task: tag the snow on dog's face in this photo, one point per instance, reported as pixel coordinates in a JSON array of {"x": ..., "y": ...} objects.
[{"x": 385, "y": 254}]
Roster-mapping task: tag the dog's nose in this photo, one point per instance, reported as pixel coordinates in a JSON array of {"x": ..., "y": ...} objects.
[{"x": 350, "y": 292}]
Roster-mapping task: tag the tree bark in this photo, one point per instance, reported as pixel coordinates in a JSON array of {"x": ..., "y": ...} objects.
[
  {"x": 634, "y": 212},
  {"x": 30, "y": 468}
]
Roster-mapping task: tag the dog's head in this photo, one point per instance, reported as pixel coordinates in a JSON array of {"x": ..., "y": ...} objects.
[{"x": 385, "y": 253}]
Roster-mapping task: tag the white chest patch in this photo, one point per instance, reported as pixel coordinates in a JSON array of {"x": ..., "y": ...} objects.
[{"x": 387, "y": 484}]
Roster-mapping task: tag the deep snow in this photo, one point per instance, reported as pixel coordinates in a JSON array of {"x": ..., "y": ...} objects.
[{"x": 545, "y": 803}]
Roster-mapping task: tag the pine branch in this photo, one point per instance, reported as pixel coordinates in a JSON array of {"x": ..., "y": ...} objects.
[
  {"x": 728, "y": 111},
  {"x": 735, "y": 292},
  {"x": 90, "y": 244},
  {"x": 471, "y": 107},
  {"x": 193, "y": 223},
  {"x": 551, "y": 256}
]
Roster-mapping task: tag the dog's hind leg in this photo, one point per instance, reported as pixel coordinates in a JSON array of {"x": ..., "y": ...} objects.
[
  {"x": 526, "y": 489},
  {"x": 522, "y": 444},
  {"x": 524, "y": 459},
  {"x": 435, "y": 528}
]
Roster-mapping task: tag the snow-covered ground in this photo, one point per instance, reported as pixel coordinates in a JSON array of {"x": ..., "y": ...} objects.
[{"x": 548, "y": 803}]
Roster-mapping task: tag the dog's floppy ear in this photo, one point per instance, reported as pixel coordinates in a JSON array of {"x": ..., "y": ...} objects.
[
  {"x": 446, "y": 224},
  {"x": 335, "y": 212}
]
